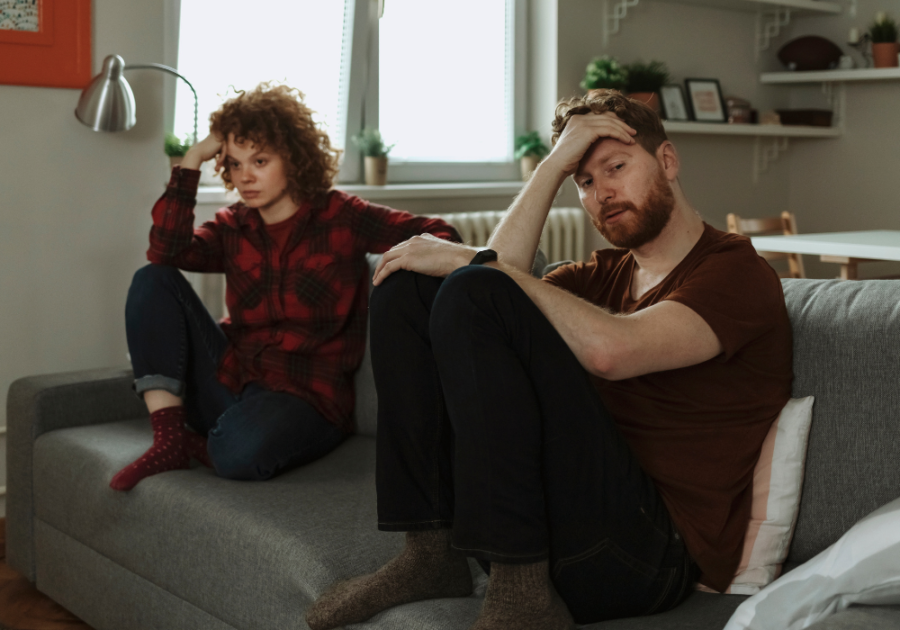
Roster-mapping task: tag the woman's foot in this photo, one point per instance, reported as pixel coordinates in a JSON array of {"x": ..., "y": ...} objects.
[
  {"x": 521, "y": 596},
  {"x": 167, "y": 453},
  {"x": 195, "y": 444},
  {"x": 428, "y": 568}
]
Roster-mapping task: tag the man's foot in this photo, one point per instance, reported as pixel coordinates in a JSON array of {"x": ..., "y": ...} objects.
[
  {"x": 195, "y": 445},
  {"x": 426, "y": 569},
  {"x": 521, "y": 596},
  {"x": 167, "y": 453}
]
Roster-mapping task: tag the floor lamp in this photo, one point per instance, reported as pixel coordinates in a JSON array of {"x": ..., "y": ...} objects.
[{"x": 107, "y": 103}]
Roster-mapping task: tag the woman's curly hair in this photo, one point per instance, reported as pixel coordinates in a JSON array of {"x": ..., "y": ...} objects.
[
  {"x": 639, "y": 116},
  {"x": 275, "y": 117}
]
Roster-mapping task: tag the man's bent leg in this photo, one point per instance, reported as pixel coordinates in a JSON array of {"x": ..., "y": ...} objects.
[
  {"x": 541, "y": 471},
  {"x": 413, "y": 475}
]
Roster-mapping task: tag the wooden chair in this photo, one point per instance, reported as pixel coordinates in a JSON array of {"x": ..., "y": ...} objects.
[{"x": 785, "y": 224}]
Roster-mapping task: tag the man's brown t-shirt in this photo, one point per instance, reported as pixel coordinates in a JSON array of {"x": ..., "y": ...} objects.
[{"x": 697, "y": 431}]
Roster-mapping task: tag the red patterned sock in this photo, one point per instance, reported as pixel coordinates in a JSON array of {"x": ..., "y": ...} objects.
[
  {"x": 196, "y": 448},
  {"x": 167, "y": 453}
]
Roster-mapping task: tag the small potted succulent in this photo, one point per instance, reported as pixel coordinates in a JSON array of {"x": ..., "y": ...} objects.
[
  {"x": 604, "y": 73},
  {"x": 175, "y": 148},
  {"x": 530, "y": 149},
  {"x": 884, "y": 41},
  {"x": 645, "y": 81},
  {"x": 375, "y": 151}
]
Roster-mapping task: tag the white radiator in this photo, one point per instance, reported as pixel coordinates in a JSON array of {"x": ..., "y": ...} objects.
[{"x": 562, "y": 238}]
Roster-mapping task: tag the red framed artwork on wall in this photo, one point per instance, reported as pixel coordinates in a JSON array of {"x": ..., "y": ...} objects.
[{"x": 45, "y": 43}]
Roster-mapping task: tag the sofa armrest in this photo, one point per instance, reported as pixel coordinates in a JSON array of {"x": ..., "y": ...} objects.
[{"x": 37, "y": 405}]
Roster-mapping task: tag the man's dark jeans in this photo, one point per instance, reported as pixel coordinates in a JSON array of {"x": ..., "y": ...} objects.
[
  {"x": 489, "y": 425},
  {"x": 176, "y": 346}
]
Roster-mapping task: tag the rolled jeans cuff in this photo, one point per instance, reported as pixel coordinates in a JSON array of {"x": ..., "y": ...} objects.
[{"x": 157, "y": 381}]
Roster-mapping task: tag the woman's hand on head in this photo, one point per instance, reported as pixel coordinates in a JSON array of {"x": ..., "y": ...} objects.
[{"x": 210, "y": 147}]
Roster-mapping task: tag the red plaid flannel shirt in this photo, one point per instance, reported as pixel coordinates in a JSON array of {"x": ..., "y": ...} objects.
[{"x": 298, "y": 326}]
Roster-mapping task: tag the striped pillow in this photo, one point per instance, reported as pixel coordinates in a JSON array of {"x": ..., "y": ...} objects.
[{"x": 777, "y": 482}]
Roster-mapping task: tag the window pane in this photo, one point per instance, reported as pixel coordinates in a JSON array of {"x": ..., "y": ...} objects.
[
  {"x": 445, "y": 80},
  {"x": 236, "y": 43}
]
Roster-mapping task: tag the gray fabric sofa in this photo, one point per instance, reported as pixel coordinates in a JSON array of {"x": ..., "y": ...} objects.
[{"x": 187, "y": 550}]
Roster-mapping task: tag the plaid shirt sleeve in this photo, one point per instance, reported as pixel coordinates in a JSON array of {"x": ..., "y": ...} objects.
[
  {"x": 173, "y": 239},
  {"x": 378, "y": 228}
]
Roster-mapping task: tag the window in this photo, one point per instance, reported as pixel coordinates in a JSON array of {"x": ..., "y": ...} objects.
[
  {"x": 230, "y": 45},
  {"x": 441, "y": 80}
]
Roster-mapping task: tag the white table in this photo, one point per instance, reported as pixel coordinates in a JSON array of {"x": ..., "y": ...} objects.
[{"x": 845, "y": 248}]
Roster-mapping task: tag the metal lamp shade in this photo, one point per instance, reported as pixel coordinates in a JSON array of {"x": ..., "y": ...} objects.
[{"x": 107, "y": 103}]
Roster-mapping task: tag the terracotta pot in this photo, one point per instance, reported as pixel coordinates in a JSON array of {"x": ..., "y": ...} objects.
[
  {"x": 884, "y": 54},
  {"x": 175, "y": 160},
  {"x": 528, "y": 163},
  {"x": 376, "y": 171},
  {"x": 649, "y": 98}
]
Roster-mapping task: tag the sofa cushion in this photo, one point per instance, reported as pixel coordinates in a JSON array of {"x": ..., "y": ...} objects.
[
  {"x": 847, "y": 355},
  {"x": 279, "y": 543}
]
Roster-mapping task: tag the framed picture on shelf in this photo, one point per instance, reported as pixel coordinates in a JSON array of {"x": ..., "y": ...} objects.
[
  {"x": 672, "y": 100},
  {"x": 705, "y": 100}
]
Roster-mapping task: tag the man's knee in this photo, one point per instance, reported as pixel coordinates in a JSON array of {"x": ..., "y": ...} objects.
[{"x": 465, "y": 290}]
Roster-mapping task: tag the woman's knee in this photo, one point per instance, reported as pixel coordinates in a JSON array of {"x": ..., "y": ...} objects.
[
  {"x": 236, "y": 457},
  {"x": 149, "y": 280}
]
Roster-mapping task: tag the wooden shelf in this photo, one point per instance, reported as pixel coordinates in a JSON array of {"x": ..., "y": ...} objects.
[
  {"x": 797, "y": 7},
  {"x": 770, "y": 131},
  {"x": 832, "y": 76}
]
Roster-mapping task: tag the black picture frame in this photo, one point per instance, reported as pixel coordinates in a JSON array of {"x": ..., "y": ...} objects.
[
  {"x": 671, "y": 101},
  {"x": 704, "y": 97}
]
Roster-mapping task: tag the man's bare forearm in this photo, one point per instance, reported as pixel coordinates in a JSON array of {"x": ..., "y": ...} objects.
[{"x": 518, "y": 234}]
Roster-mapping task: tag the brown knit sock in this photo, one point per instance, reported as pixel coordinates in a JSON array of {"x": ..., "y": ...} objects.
[
  {"x": 426, "y": 569},
  {"x": 521, "y": 596},
  {"x": 167, "y": 452}
]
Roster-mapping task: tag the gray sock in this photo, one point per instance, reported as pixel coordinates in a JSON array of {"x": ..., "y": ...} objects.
[
  {"x": 426, "y": 569},
  {"x": 521, "y": 596}
]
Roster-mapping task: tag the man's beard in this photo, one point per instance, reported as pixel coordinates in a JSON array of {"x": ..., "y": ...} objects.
[{"x": 649, "y": 221}]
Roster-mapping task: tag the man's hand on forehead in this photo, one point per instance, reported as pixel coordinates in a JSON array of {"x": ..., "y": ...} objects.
[{"x": 580, "y": 134}]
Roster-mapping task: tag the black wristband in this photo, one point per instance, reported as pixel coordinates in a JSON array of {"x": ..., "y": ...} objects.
[{"x": 484, "y": 256}]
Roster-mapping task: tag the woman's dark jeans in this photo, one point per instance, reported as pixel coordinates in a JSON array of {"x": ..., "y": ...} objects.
[
  {"x": 487, "y": 423},
  {"x": 175, "y": 346}
]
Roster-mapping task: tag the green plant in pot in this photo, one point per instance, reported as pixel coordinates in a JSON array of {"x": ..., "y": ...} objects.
[
  {"x": 372, "y": 146},
  {"x": 884, "y": 41},
  {"x": 604, "y": 73},
  {"x": 175, "y": 148},
  {"x": 530, "y": 149},
  {"x": 645, "y": 81}
]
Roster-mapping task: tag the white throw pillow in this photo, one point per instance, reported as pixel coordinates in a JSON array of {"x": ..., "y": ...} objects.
[
  {"x": 863, "y": 567},
  {"x": 777, "y": 483}
]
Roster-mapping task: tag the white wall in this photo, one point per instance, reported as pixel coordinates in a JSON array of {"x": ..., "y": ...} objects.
[{"x": 75, "y": 210}]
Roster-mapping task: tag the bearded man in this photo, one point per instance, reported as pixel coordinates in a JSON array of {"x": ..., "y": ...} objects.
[{"x": 589, "y": 438}]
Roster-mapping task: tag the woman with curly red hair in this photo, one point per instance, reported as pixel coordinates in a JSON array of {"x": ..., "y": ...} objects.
[{"x": 270, "y": 387}]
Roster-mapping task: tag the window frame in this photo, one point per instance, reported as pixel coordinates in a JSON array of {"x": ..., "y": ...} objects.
[{"x": 364, "y": 86}]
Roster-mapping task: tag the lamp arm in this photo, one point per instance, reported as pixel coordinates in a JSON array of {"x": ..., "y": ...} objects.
[{"x": 159, "y": 66}]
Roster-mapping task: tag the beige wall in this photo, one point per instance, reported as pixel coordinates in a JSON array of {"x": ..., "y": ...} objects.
[
  {"x": 851, "y": 182},
  {"x": 75, "y": 210}
]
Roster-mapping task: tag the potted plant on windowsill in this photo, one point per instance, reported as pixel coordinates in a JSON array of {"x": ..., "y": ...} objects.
[
  {"x": 530, "y": 149},
  {"x": 604, "y": 73},
  {"x": 375, "y": 151},
  {"x": 884, "y": 41},
  {"x": 175, "y": 148},
  {"x": 645, "y": 81}
]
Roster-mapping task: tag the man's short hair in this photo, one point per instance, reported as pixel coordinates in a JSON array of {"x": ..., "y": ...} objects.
[
  {"x": 639, "y": 116},
  {"x": 275, "y": 117}
]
